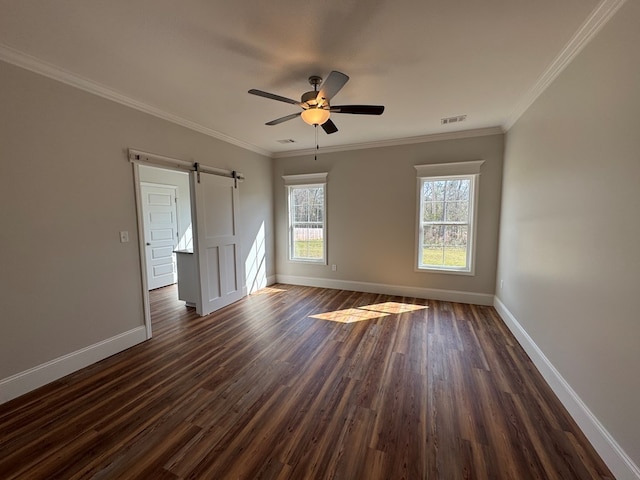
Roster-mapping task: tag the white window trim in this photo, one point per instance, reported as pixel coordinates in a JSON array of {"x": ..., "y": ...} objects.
[
  {"x": 439, "y": 171},
  {"x": 307, "y": 180}
]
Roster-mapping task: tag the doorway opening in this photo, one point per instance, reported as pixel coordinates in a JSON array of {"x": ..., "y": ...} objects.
[
  {"x": 165, "y": 227},
  {"x": 210, "y": 271}
]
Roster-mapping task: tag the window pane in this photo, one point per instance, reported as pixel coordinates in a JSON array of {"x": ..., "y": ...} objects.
[
  {"x": 308, "y": 241},
  {"x": 317, "y": 213},
  {"x": 457, "y": 190},
  {"x": 433, "y": 212},
  {"x": 457, "y": 212},
  {"x": 433, "y": 190},
  {"x": 301, "y": 214},
  {"x": 427, "y": 189},
  {"x": 433, "y": 235},
  {"x": 433, "y": 256},
  {"x": 455, "y": 250},
  {"x": 445, "y": 222},
  {"x": 307, "y": 223},
  {"x": 455, "y": 257},
  {"x": 300, "y": 196},
  {"x": 455, "y": 235}
]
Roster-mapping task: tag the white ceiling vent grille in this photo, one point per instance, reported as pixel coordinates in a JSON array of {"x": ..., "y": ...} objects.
[
  {"x": 456, "y": 119},
  {"x": 286, "y": 140}
]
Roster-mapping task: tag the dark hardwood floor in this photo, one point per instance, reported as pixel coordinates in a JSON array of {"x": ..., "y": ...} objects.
[{"x": 303, "y": 383}]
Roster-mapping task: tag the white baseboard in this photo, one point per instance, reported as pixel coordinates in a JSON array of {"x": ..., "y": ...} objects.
[
  {"x": 403, "y": 291},
  {"x": 612, "y": 454},
  {"x": 23, "y": 382}
]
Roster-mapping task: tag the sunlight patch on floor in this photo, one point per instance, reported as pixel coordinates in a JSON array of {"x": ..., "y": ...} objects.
[
  {"x": 266, "y": 290},
  {"x": 350, "y": 315},
  {"x": 368, "y": 312},
  {"x": 394, "y": 307}
]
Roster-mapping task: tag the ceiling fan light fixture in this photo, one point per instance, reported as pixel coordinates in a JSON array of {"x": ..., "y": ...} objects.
[
  {"x": 315, "y": 105},
  {"x": 315, "y": 116}
]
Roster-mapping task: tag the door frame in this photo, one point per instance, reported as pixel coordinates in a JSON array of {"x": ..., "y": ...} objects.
[
  {"x": 141, "y": 240},
  {"x": 137, "y": 158}
]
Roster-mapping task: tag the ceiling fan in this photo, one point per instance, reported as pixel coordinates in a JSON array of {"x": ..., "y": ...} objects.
[{"x": 315, "y": 104}]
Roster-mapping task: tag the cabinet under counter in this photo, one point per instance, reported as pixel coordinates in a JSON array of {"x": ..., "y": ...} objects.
[{"x": 187, "y": 277}]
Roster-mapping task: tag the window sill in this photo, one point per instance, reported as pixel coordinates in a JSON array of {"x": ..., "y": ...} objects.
[
  {"x": 468, "y": 273},
  {"x": 307, "y": 262}
]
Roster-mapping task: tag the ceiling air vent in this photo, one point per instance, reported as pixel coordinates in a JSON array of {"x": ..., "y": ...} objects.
[
  {"x": 286, "y": 140},
  {"x": 456, "y": 119}
]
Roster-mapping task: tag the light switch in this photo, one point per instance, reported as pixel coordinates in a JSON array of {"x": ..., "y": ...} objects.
[{"x": 124, "y": 236}]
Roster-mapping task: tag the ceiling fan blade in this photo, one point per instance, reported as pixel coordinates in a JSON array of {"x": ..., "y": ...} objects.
[
  {"x": 332, "y": 85},
  {"x": 283, "y": 119},
  {"x": 329, "y": 127},
  {"x": 273, "y": 96},
  {"x": 358, "y": 109}
]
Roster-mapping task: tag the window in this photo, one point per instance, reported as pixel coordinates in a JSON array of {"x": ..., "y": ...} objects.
[
  {"x": 446, "y": 216},
  {"x": 306, "y": 214}
]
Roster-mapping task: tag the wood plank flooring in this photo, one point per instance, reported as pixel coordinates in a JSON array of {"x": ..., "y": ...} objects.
[{"x": 303, "y": 383}]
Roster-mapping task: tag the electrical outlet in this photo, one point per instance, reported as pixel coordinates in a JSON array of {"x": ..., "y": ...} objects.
[
  {"x": 334, "y": 267},
  {"x": 501, "y": 284},
  {"x": 124, "y": 236}
]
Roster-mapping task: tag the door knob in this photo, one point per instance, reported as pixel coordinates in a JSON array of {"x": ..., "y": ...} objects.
[{"x": 148, "y": 244}]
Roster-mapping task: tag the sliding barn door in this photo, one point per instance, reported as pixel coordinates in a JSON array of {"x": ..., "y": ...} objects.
[{"x": 217, "y": 242}]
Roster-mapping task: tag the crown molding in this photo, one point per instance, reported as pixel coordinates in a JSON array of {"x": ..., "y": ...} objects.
[
  {"x": 592, "y": 25},
  {"x": 436, "y": 137},
  {"x": 598, "y": 18},
  {"x": 33, "y": 64}
]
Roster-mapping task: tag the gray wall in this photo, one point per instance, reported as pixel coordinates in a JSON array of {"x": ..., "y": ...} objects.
[
  {"x": 570, "y": 226},
  {"x": 66, "y": 190},
  {"x": 371, "y": 213}
]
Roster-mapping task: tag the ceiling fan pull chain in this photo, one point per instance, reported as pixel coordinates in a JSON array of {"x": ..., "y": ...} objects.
[{"x": 315, "y": 157}]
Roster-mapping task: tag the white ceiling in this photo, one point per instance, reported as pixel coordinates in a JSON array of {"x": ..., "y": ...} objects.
[{"x": 194, "y": 60}]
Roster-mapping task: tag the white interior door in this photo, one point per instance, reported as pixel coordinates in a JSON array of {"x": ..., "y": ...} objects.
[
  {"x": 217, "y": 241},
  {"x": 160, "y": 234}
]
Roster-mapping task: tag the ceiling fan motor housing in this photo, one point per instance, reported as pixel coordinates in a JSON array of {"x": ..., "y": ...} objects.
[{"x": 310, "y": 99}]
